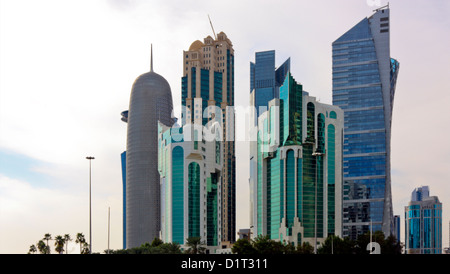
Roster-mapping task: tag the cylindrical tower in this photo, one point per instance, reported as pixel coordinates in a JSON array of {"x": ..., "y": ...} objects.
[{"x": 150, "y": 101}]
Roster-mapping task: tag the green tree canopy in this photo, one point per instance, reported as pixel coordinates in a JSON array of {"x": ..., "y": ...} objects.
[
  {"x": 195, "y": 245},
  {"x": 243, "y": 246}
]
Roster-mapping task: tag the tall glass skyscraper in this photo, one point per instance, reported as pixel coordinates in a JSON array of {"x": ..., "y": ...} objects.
[
  {"x": 123, "y": 161},
  {"x": 423, "y": 223},
  {"x": 364, "y": 79},
  {"x": 266, "y": 79},
  {"x": 297, "y": 181},
  {"x": 197, "y": 168}
]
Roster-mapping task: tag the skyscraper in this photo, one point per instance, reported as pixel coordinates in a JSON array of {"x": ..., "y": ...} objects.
[
  {"x": 423, "y": 224},
  {"x": 297, "y": 183},
  {"x": 266, "y": 79},
  {"x": 150, "y": 102},
  {"x": 419, "y": 193},
  {"x": 207, "y": 191},
  {"x": 364, "y": 80},
  {"x": 265, "y": 82},
  {"x": 191, "y": 192},
  {"x": 396, "y": 231},
  {"x": 123, "y": 162}
]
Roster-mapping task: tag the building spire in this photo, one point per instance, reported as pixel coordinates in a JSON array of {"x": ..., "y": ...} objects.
[{"x": 151, "y": 57}]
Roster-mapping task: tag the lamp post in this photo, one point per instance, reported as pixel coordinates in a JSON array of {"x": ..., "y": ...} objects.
[
  {"x": 109, "y": 215},
  {"x": 90, "y": 210},
  {"x": 316, "y": 154}
]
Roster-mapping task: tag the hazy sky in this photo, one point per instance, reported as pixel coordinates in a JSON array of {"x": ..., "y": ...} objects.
[{"x": 67, "y": 67}]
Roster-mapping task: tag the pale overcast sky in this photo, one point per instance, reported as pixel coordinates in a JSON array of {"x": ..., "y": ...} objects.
[{"x": 67, "y": 67}]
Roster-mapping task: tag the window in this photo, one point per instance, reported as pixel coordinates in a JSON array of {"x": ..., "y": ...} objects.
[
  {"x": 194, "y": 199},
  {"x": 333, "y": 115},
  {"x": 177, "y": 194}
]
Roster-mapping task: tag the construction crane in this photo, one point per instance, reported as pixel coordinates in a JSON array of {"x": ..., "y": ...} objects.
[{"x": 215, "y": 37}]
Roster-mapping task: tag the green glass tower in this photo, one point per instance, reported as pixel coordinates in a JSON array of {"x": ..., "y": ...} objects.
[{"x": 296, "y": 185}]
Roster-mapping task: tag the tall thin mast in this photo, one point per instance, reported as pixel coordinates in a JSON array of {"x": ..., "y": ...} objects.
[{"x": 151, "y": 57}]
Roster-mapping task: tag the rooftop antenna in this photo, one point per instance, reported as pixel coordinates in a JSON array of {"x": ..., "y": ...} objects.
[
  {"x": 215, "y": 37},
  {"x": 151, "y": 57}
]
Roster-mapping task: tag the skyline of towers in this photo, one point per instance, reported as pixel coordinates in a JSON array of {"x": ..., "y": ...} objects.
[
  {"x": 201, "y": 106},
  {"x": 423, "y": 223},
  {"x": 364, "y": 79}
]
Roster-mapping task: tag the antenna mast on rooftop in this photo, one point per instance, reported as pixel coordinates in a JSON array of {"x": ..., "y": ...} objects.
[
  {"x": 215, "y": 37},
  {"x": 151, "y": 57}
]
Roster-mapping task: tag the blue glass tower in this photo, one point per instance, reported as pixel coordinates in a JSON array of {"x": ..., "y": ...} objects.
[
  {"x": 423, "y": 224},
  {"x": 266, "y": 79},
  {"x": 123, "y": 160},
  {"x": 364, "y": 79}
]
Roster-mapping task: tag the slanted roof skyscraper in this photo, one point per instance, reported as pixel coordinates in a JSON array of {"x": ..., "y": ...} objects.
[
  {"x": 364, "y": 79},
  {"x": 266, "y": 79}
]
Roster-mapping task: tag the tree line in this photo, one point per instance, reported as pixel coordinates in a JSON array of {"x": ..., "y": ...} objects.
[
  {"x": 332, "y": 245},
  {"x": 61, "y": 243},
  {"x": 194, "y": 246},
  {"x": 262, "y": 244}
]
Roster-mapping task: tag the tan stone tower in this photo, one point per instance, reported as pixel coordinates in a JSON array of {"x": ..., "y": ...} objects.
[{"x": 208, "y": 93}]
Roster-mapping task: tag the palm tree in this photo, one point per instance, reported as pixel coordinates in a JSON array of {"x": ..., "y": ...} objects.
[
  {"x": 85, "y": 249},
  {"x": 47, "y": 237},
  {"x": 156, "y": 242},
  {"x": 81, "y": 240},
  {"x": 169, "y": 248},
  {"x": 195, "y": 245},
  {"x": 42, "y": 247},
  {"x": 67, "y": 239},
  {"x": 59, "y": 244},
  {"x": 32, "y": 249}
]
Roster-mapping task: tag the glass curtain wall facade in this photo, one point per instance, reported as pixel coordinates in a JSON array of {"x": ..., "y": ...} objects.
[
  {"x": 190, "y": 186},
  {"x": 364, "y": 79},
  {"x": 123, "y": 161},
  {"x": 423, "y": 225},
  {"x": 265, "y": 82},
  {"x": 266, "y": 79},
  {"x": 297, "y": 189}
]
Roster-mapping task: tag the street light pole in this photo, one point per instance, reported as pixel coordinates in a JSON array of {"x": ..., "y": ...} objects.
[
  {"x": 90, "y": 208},
  {"x": 108, "y": 226}
]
